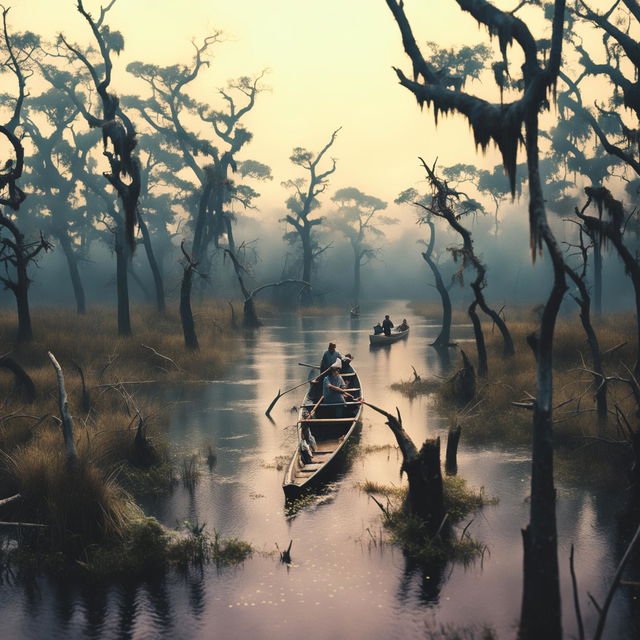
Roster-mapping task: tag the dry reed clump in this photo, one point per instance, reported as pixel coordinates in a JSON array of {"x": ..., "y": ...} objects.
[
  {"x": 492, "y": 416},
  {"x": 80, "y": 505},
  {"x": 414, "y": 388}
]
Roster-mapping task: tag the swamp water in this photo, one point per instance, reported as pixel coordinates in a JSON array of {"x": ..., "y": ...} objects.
[{"x": 344, "y": 583}]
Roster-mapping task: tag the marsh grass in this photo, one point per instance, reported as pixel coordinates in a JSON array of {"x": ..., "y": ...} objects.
[
  {"x": 92, "y": 341},
  {"x": 377, "y": 488},
  {"x": 436, "y": 631},
  {"x": 190, "y": 471},
  {"x": 412, "y": 534},
  {"x": 89, "y": 515},
  {"x": 377, "y": 448},
  {"x": 80, "y": 505},
  {"x": 432, "y": 311},
  {"x": 414, "y": 388},
  {"x": 149, "y": 548},
  {"x": 491, "y": 416}
]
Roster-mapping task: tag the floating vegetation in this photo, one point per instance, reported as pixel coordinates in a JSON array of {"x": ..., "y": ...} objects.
[
  {"x": 146, "y": 548},
  {"x": 375, "y": 448},
  {"x": 411, "y": 533},
  {"x": 413, "y": 388},
  {"x": 278, "y": 463},
  {"x": 190, "y": 473},
  {"x": 369, "y": 486}
]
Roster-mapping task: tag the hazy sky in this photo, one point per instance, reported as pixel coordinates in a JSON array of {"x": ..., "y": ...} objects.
[{"x": 330, "y": 65}]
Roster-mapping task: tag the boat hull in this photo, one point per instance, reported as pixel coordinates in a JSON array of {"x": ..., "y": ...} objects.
[
  {"x": 332, "y": 435},
  {"x": 396, "y": 336}
]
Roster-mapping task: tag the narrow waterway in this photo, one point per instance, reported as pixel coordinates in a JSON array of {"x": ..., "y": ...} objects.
[{"x": 345, "y": 583}]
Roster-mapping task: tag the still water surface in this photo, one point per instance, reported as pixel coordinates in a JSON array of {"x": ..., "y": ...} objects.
[{"x": 344, "y": 582}]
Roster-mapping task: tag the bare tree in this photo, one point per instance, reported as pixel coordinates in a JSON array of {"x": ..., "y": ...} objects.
[
  {"x": 502, "y": 124},
  {"x": 16, "y": 250},
  {"x": 211, "y": 158},
  {"x": 612, "y": 228},
  {"x": 118, "y": 131},
  {"x": 452, "y": 205},
  {"x": 583, "y": 300},
  {"x": 302, "y": 204},
  {"x": 52, "y": 182},
  {"x": 443, "y": 341},
  {"x": 355, "y": 220}
]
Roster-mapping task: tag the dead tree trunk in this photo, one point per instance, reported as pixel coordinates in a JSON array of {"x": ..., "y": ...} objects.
[
  {"x": 153, "y": 265},
  {"x": 443, "y": 207},
  {"x": 541, "y": 610},
  {"x": 612, "y": 229},
  {"x": 584, "y": 303},
  {"x": 481, "y": 347},
  {"x": 502, "y": 125},
  {"x": 186, "y": 315},
  {"x": 24, "y": 383},
  {"x": 451, "y": 459},
  {"x": 67, "y": 420},
  {"x": 19, "y": 253},
  {"x": 425, "y": 498},
  {"x": 74, "y": 272},
  {"x": 306, "y": 297},
  {"x": 597, "y": 278},
  {"x": 122, "y": 280},
  {"x": 444, "y": 337},
  {"x": 250, "y": 318},
  {"x": 463, "y": 382}
]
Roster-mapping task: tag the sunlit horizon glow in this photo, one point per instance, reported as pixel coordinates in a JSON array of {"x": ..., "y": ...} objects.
[{"x": 329, "y": 65}]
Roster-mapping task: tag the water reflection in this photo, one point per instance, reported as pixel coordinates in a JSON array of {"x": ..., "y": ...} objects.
[{"x": 344, "y": 581}]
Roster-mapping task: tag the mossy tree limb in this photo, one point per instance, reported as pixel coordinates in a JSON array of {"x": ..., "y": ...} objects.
[{"x": 502, "y": 125}]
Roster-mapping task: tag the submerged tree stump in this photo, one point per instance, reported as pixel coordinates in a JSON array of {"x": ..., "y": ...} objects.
[
  {"x": 425, "y": 498},
  {"x": 451, "y": 458}
]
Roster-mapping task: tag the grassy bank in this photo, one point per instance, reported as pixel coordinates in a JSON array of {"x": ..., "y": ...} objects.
[
  {"x": 83, "y": 513},
  {"x": 581, "y": 441}
]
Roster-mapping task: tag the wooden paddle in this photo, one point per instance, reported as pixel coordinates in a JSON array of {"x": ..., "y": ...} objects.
[
  {"x": 311, "y": 366},
  {"x": 316, "y": 406},
  {"x": 280, "y": 394}
]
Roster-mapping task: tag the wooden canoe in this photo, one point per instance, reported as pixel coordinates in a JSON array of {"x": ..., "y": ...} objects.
[
  {"x": 394, "y": 337},
  {"x": 331, "y": 434}
]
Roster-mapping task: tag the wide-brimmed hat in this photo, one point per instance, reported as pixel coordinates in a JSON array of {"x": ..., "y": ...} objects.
[
  {"x": 348, "y": 356},
  {"x": 337, "y": 364}
]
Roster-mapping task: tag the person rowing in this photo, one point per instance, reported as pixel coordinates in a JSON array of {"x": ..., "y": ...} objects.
[
  {"x": 334, "y": 389},
  {"x": 329, "y": 357}
]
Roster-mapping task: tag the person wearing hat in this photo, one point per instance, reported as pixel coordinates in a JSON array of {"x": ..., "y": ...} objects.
[
  {"x": 387, "y": 325},
  {"x": 346, "y": 363},
  {"x": 333, "y": 389},
  {"x": 329, "y": 357}
]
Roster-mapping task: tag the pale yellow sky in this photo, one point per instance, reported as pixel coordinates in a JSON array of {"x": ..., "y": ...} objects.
[{"x": 330, "y": 65}]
